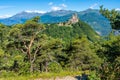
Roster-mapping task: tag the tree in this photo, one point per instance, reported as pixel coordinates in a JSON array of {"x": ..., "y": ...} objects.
[
  {"x": 81, "y": 55},
  {"x": 113, "y": 16},
  {"x": 109, "y": 51},
  {"x": 27, "y": 38},
  {"x": 1, "y": 57},
  {"x": 3, "y": 34},
  {"x": 51, "y": 49},
  {"x": 36, "y": 19}
]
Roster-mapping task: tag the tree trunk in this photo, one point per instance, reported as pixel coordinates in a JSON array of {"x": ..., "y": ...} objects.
[
  {"x": 41, "y": 67},
  {"x": 31, "y": 67},
  {"x": 29, "y": 55},
  {"x": 46, "y": 66}
]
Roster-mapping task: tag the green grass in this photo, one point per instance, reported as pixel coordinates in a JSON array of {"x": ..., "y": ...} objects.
[{"x": 44, "y": 75}]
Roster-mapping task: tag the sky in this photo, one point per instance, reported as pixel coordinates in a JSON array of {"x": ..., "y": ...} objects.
[{"x": 12, "y": 7}]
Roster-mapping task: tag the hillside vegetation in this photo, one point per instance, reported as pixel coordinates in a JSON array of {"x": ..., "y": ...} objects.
[
  {"x": 68, "y": 33},
  {"x": 36, "y": 50}
]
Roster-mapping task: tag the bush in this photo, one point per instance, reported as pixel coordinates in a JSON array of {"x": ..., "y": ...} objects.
[
  {"x": 24, "y": 69},
  {"x": 93, "y": 76},
  {"x": 54, "y": 67},
  {"x": 5, "y": 74}
]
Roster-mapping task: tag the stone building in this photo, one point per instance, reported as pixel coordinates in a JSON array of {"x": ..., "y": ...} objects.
[{"x": 74, "y": 19}]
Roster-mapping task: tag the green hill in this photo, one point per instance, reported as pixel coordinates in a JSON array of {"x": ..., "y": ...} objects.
[{"x": 68, "y": 33}]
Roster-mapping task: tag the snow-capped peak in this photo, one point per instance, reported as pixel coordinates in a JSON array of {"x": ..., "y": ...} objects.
[{"x": 35, "y": 11}]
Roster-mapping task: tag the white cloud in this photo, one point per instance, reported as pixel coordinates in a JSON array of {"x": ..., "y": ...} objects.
[
  {"x": 4, "y": 7},
  {"x": 35, "y": 11},
  {"x": 59, "y": 7},
  {"x": 93, "y": 6},
  {"x": 55, "y": 8},
  {"x": 63, "y": 5},
  {"x": 117, "y": 9},
  {"x": 5, "y": 16},
  {"x": 50, "y": 3}
]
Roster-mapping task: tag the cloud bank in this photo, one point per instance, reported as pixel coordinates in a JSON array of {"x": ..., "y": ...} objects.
[
  {"x": 5, "y": 16},
  {"x": 93, "y": 6},
  {"x": 35, "y": 11},
  {"x": 54, "y": 7}
]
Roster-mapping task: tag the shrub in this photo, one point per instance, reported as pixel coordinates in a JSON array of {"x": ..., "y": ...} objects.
[
  {"x": 54, "y": 67},
  {"x": 5, "y": 74},
  {"x": 93, "y": 76}
]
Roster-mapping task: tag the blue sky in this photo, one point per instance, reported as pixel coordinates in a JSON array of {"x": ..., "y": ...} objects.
[{"x": 11, "y": 7}]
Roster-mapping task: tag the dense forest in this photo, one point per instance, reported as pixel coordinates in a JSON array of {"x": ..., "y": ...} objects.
[{"x": 35, "y": 48}]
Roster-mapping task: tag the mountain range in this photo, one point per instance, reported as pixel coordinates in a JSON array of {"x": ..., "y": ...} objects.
[{"x": 91, "y": 16}]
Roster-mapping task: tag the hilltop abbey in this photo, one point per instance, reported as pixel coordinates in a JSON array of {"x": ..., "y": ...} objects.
[{"x": 74, "y": 19}]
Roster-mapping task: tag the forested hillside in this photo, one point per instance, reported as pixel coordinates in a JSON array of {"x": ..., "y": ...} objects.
[
  {"x": 68, "y": 33},
  {"x": 38, "y": 50}
]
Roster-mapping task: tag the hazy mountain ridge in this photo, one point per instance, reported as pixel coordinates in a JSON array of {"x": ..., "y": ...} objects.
[{"x": 99, "y": 23}]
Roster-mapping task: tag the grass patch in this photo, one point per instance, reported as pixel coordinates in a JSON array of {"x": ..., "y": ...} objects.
[{"x": 45, "y": 75}]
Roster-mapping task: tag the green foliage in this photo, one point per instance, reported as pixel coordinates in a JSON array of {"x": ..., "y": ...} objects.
[
  {"x": 81, "y": 28},
  {"x": 109, "y": 51},
  {"x": 117, "y": 59},
  {"x": 3, "y": 35},
  {"x": 67, "y": 33},
  {"x": 61, "y": 32},
  {"x": 109, "y": 71},
  {"x": 26, "y": 39},
  {"x": 36, "y": 19},
  {"x": 6, "y": 74},
  {"x": 113, "y": 16},
  {"x": 24, "y": 68},
  {"x": 1, "y": 53},
  {"x": 50, "y": 50},
  {"x": 54, "y": 67},
  {"x": 33, "y": 47},
  {"x": 93, "y": 76},
  {"x": 82, "y": 56}
]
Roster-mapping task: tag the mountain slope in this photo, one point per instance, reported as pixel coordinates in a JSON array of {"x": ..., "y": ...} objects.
[
  {"x": 19, "y": 18},
  {"x": 68, "y": 33},
  {"x": 99, "y": 23}
]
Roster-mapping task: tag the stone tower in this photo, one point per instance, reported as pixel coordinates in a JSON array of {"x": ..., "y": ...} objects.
[{"x": 74, "y": 19}]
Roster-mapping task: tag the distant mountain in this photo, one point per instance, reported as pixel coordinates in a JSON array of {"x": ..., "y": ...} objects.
[
  {"x": 19, "y": 18},
  {"x": 99, "y": 23},
  {"x": 60, "y": 13}
]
